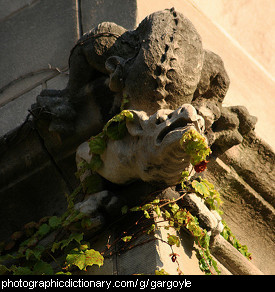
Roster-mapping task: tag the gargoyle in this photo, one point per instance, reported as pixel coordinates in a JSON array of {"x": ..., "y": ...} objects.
[
  {"x": 151, "y": 150},
  {"x": 153, "y": 70}
]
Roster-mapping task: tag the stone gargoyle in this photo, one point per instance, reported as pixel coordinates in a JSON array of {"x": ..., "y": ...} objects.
[
  {"x": 151, "y": 150},
  {"x": 162, "y": 74},
  {"x": 159, "y": 65}
]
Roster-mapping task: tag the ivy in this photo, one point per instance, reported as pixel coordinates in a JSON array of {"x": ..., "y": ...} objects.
[
  {"x": 231, "y": 238},
  {"x": 196, "y": 146},
  {"x": 36, "y": 259},
  {"x": 178, "y": 218},
  {"x": 208, "y": 192},
  {"x": 126, "y": 238},
  {"x": 78, "y": 237},
  {"x": 115, "y": 129},
  {"x": 161, "y": 272},
  {"x": 82, "y": 257}
]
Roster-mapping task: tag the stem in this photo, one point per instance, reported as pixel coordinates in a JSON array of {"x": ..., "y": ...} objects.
[{"x": 173, "y": 201}]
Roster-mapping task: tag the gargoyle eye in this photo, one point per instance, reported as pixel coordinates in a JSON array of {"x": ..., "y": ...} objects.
[{"x": 170, "y": 115}]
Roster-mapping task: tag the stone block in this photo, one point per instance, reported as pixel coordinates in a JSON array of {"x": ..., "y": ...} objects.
[
  {"x": 59, "y": 82},
  {"x": 14, "y": 113},
  {"x": 10, "y": 7},
  {"x": 38, "y": 195},
  {"x": 122, "y": 12},
  {"x": 232, "y": 259},
  {"x": 38, "y": 35},
  {"x": 249, "y": 216}
]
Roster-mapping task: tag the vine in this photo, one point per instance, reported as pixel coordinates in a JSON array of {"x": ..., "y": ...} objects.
[
  {"x": 26, "y": 253},
  {"x": 35, "y": 257}
]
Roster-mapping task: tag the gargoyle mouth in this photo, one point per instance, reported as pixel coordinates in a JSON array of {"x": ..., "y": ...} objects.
[{"x": 181, "y": 125}]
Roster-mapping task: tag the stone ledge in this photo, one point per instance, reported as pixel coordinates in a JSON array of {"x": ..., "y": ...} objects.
[{"x": 232, "y": 259}]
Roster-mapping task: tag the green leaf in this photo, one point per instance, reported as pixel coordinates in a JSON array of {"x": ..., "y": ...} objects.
[
  {"x": 161, "y": 272},
  {"x": 4, "y": 270},
  {"x": 167, "y": 214},
  {"x": 124, "y": 210},
  {"x": 135, "y": 209},
  {"x": 116, "y": 127},
  {"x": 204, "y": 264},
  {"x": 36, "y": 252},
  {"x": 43, "y": 230},
  {"x": 157, "y": 210},
  {"x": 21, "y": 270},
  {"x": 63, "y": 273},
  {"x": 185, "y": 174},
  {"x": 86, "y": 223},
  {"x": 146, "y": 214},
  {"x": 117, "y": 130},
  {"x": 129, "y": 115},
  {"x": 96, "y": 162},
  {"x": 174, "y": 208},
  {"x": 55, "y": 222},
  {"x": 83, "y": 257},
  {"x": 65, "y": 242},
  {"x": 146, "y": 207},
  {"x": 126, "y": 238},
  {"x": 156, "y": 201},
  {"x": 97, "y": 144},
  {"x": 205, "y": 240},
  {"x": 200, "y": 188},
  {"x": 173, "y": 240},
  {"x": 92, "y": 184},
  {"x": 152, "y": 228},
  {"x": 195, "y": 145},
  {"x": 42, "y": 268}
]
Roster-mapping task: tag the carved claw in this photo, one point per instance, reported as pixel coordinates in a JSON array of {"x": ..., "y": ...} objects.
[
  {"x": 55, "y": 107},
  {"x": 234, "y": 123}
]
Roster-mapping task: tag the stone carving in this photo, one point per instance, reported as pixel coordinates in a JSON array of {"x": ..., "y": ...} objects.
[
  {"x": 171, "y": 84},
  {"x": 152, "y": 69},
  {"x": 151, "y": 151}
]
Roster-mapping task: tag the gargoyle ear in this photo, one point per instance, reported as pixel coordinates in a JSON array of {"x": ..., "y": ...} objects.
[{"x": 114, "y": 65}]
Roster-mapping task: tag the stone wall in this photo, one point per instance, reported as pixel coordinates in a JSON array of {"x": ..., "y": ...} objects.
[
  {"x": 249, "y": 22},
  {"x": 37, "y": 37}
]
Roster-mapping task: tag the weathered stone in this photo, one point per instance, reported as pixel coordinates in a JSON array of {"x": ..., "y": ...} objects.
[
  {"x": 250, "y": 217},
  {"x": 122, "y": 12},
  {"x": 24, "y": 41},
  {"x": 58, "y": 82},
  {"x": 152, "y": 71},
  {"x": 9, "y": 7},
  {"x": 232, "y": 259},
  {"x": 128, "y": 60},
  {"x": 13, "y": 114},
  {"x": 207, "y": 219},
  {"x": 151, "y": 151}
]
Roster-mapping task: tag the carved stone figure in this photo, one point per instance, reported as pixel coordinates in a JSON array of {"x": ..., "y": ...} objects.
[
  {"x": 153, "y": 70},
  {"x": 151, "y": 150},
  {"x": 162, "y": 74}
]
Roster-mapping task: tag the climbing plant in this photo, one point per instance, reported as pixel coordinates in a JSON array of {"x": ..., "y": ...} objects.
[{"x": 29, "y": 252}]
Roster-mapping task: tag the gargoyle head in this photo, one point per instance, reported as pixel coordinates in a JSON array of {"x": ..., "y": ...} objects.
[
  {"x": 151, "y": 150},
  {"x": 165, "y": 69}
]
